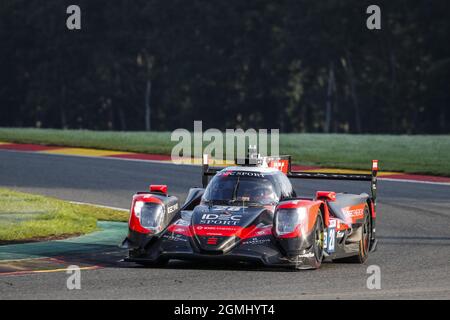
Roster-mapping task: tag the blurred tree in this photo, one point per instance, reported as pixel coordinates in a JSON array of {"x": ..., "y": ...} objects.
[{"x": 300, "y": 66}]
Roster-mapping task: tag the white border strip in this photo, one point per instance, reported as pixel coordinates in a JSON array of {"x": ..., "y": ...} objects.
[
  {"x": 101, "y": 158},
  {"x": 98, "y": 206},
  {"x": 416, "y": 181}
]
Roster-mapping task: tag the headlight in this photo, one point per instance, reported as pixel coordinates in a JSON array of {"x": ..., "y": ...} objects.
[
  {"x": 150, "y": 215},
  {"x": 288, "y": 219},
  {"x": 137, "y": 208}
]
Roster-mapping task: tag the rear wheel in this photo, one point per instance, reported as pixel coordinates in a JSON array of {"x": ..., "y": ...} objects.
[{"x": 364, "y": 243}]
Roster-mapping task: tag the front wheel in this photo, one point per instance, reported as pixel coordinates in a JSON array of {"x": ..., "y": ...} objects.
[{"x": 313, "y": 258}]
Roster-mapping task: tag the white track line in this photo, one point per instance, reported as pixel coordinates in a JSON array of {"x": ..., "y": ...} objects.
[
  {"x": 98, "y": 205},
  {"x": 416, "y": 181},
  {"x": 97, "y": 157}
]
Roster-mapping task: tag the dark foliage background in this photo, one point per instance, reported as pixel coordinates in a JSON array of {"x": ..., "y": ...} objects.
[{"x": 301, "y": 66}]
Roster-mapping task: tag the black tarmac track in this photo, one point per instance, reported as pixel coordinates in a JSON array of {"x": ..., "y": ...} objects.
[{"x": 413, "y": 228}]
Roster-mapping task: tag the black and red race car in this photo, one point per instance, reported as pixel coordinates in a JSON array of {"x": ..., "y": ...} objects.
[{"x": 251, "y": 213}]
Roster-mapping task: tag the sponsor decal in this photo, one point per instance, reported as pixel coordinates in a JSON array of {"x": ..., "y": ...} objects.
[
  {"x": 217, "y": 230},
  {"x": 241, "y": 174},
  {"x": 281, "y": 165},
  {"x": 264, "y": 232},
  {"x": 172, "y": 208},
  {"x": 307, "y": 255},
  {"x": 331, "y": 239},
  {"x": 221, "y": 219},
  {"x": 228, "y": 231},
  {"x": 175, "y": 237},
  {"x": 256, "y": 241},
  {"x": 226, "y": 208},
  {"x": 332, "y": 223},
  {"x": 353, "y": 212}
]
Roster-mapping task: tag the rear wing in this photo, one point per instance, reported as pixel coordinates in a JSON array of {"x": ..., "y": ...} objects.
[
  {"x": 283, "y": 163},
  {"x": 342, "y": 176}
]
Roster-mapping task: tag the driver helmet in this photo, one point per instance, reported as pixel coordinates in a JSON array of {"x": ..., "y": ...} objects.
[{"x": 260, "y": 193}]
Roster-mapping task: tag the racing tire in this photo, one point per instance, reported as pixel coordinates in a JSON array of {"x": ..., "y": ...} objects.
[
  {"x": 364, "y": 243},
  {"x": 317, "y": 250}
]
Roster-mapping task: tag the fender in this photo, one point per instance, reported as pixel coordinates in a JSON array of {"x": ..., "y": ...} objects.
[
  {"x": 298, "y": 240},
  {"x": 312, "y": 209},
  {"x": 134, "y": 223},
  {"x": 138, "y": 235},
  {"x": 349, "y": 207}
]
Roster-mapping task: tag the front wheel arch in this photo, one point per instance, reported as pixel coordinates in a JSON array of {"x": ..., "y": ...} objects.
[{"x": 313, "y": 258}]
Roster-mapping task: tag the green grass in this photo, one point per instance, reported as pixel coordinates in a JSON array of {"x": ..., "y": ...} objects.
[
  {"x": 154, "y": 142},
  {"x": 424, "y": 154},
  {"x": 27, "y": 217}
]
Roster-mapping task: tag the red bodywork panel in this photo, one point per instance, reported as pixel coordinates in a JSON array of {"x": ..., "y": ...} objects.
[
  {"x": 281, "y": 165},
  {"x": 222, "y": 231},
  {"x": 312, "y": 208},
  {"x": 326, "y": 195},
  {"x": 158, "y": 188},
  {"x": 183, "y": 230},
  {"x": 134, "y": 222}
]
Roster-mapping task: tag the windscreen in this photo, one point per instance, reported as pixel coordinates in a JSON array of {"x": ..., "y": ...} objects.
[{"x": 248, "y": 189}]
